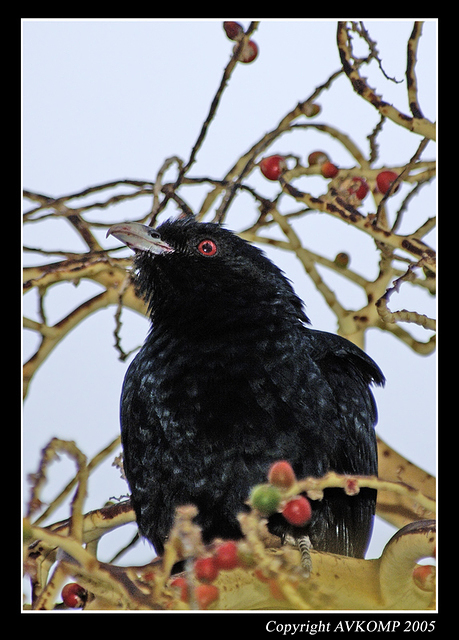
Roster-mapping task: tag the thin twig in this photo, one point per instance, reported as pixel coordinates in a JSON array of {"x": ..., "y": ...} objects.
[
  {"x": 212, "y": 112},
  {"x": 411, "y": 79},
  {"x": 421, "y": 126}
]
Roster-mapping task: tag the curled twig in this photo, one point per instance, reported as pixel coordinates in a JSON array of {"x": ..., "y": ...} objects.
[
  {"x": 403, "y": 315},
  {"x": 421, "y": 126},
  {"x": 93, "y": 463},
  {"x": 49, "y": 454}
]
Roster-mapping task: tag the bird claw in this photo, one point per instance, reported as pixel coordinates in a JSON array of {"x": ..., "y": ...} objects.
[{"x": 303, "y": 544}]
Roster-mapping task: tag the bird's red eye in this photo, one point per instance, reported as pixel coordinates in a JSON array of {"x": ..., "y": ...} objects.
[{"x": 207, "y": 248}]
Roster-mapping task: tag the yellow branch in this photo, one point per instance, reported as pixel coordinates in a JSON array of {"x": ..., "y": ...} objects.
[
  {"x": 340, "y": 209},
  {"x": 421, "y": 126}
]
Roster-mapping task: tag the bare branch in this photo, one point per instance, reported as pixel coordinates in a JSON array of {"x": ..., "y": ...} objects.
[
  {"x": 403, "y": 315},
  {"x": 351, "y": 215},
  {"x": 411, "y": 79},
  {"x": 419, "y": 125}
]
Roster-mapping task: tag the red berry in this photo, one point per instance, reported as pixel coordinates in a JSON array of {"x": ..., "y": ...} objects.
[
  {"x": 384, "y": 181},
  {"x": 317, "y": 157},
  {"x": 249, "y": 52},
  {"x": 205, "y": 594},
  {"x": 74, "y": 595},
  {"x": 328, "y": 169},
  {"x": 359, "y": 188},
  {"x": 265, "y": 498},
  {"x": 297, "y": 511},
  {"x": 182, "y": 584},
  {"x": 206, "y": 569},
  {"x": 281, "y": 474},
  {"x": 273, "y": 166},
  {"x": 233, "y": 30},
  {"x": 226, "y": 555}
]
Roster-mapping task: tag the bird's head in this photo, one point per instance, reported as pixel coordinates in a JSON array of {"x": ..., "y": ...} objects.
[{"x": 192, "y": 267}]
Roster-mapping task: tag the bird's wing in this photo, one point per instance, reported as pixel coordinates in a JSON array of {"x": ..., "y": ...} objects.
[
  {"x": 349, "y": 372},
  {"x": 346, "y": 522}
]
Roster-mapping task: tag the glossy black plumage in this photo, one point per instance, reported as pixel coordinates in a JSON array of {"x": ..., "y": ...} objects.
[{"x": 228, "y": 381}]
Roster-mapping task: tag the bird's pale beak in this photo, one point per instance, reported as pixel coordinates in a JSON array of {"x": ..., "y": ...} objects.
[{"x": 140, "y": 237}]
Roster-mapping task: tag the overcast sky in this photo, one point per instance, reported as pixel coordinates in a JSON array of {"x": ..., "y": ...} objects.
[{"x": 106, "y": 100}]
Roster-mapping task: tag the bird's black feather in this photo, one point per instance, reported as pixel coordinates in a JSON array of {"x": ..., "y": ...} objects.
[{"x": 229, "y": 380}]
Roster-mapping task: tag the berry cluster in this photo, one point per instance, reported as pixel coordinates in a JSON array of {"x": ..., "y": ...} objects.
[
  {"x": 268, "y": 498},
  {"x": 235, "y": 31},
  {"x": 206, "y": 570},
  {"x": 272, "y": 167}
]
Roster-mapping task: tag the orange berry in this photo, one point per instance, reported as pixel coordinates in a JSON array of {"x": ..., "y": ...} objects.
[
  {"x": 281, "y": 474},
  {"x": 329, "y": 170},
  {"x": 205, "y": 594}
]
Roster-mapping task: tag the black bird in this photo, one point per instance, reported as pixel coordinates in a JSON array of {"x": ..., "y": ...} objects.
[{"x": 228, "y": 381}]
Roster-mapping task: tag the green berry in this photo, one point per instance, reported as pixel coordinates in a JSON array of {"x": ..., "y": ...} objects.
[{"x": 265, "y": 498}]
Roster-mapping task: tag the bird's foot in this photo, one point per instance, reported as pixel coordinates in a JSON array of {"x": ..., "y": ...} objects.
[{"x": 304, "y": 545}]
